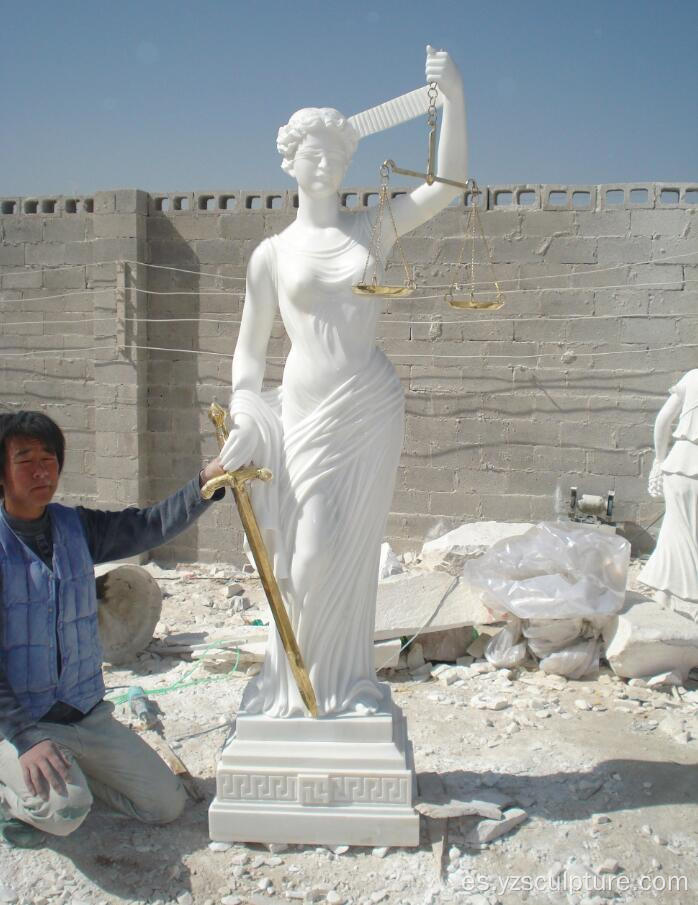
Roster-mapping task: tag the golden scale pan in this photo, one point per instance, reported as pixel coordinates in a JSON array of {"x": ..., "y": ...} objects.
[{"x": 458, "y": 295}]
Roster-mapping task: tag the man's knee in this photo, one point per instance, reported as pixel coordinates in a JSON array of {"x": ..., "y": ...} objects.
[
  {"x": 168, "y": 805},
  {"x": 59, "y": 815}
]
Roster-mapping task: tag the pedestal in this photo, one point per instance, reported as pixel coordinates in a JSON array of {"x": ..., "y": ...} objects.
[{"x": 342, "y": 780}]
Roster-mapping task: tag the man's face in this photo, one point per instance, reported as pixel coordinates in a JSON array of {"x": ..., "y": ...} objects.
[{"x": 30, "y": 478}]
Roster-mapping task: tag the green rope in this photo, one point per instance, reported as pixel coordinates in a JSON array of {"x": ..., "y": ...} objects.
[{"x": 181, "y": 682}]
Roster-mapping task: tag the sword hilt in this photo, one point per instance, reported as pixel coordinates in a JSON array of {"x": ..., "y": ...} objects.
[{"x": 240, "y": 476}]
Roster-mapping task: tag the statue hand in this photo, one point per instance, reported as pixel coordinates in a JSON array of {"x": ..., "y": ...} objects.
[
  {"x": 239, "y": 448},
  {"x": 441, "y": 69}
]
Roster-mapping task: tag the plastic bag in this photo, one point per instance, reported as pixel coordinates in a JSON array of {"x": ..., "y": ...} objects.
[
  {"x": 558, "y": 583},
  {"x": 556, "y": 570},
  {"x": 504, "y": 649},
  {"x": 575, "y": 661}
]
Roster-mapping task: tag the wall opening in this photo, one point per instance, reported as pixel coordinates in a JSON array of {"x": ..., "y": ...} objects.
[
  {"x": 227, "y": 202},
  {"x": 669, "y": 196},
  {"x": 526, "y": 197},
  {"x": 31, "y": 207},
  {"x": 615, "y": 196},
  {"x": 253, "y": 202},
  {"x": 71, "y": 205},
  {"x": 9, "y": 207},
  {"x": 274, "y": 202},
  {"x": 350, "y": 199},
  {"x": 181, "y": 203},
  {"x": 581, "y": 199},
  {"x": 639, "y": 196},
  {"x": 206, "y": 203},
  {"x": 558, "y": 199}
]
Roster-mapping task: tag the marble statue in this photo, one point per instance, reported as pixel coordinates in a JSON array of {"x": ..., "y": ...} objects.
[
  {"x": 672, "y": 569},
  {"x": 332, "y": 433}
]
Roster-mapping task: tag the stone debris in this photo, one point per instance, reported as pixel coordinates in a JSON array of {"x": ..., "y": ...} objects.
[
  {"x": 406, "y": 603},
  {"x": 485, "y": 702},
  {"x": 488, "y": 830},
  {"x": 389, "y": 564},
  {"x": 493, "y": 766},
  {"x": 451, "y": 550},
  {"x": 645, "y": 639}
]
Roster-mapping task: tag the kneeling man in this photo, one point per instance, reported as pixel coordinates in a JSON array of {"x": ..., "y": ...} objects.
[{"x": 59, "y": 742}]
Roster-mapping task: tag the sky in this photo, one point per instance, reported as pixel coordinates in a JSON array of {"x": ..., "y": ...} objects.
[{"x": 167, "y": 95}]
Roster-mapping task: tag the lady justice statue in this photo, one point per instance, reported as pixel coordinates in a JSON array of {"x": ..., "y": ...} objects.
[
  {"x": 332, "y": 433},
  {"x": 331, "y": 436}
]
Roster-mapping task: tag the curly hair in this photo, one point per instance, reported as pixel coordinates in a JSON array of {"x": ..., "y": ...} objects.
[{"x": 314, "y": 119}]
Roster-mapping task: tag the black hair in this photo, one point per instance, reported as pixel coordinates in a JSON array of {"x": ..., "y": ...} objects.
[{"x": 35, "y": 425}]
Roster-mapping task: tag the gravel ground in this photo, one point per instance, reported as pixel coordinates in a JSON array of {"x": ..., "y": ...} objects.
[{"x": 604, "y": 770}]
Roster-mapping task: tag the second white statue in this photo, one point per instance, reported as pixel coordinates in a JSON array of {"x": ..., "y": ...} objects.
[{"x": 332, "y": 433}]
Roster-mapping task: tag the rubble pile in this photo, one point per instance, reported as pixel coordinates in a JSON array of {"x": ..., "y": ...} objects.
[{"x": 587, "y": 786}]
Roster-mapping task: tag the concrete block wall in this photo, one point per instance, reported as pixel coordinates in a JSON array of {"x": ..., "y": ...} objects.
[{"x": 560, "y": 386}]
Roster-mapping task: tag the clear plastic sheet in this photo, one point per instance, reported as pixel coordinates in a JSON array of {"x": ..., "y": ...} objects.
[{"x": 557, "y": 584}]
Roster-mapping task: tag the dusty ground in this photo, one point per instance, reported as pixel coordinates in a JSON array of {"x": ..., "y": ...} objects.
[{"x": 605, "y": 786}]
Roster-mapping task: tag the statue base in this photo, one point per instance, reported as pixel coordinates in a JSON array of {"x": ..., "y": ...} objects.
[{"x": 341, "y": 780}]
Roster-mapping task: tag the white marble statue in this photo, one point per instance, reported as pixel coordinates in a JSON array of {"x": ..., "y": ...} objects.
[
  {"x": 332, "y": 432},
  {"x": 672, "y": 570}
]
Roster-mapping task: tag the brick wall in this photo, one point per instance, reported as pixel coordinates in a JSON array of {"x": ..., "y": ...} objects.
[{"x": 559, "y": 386}]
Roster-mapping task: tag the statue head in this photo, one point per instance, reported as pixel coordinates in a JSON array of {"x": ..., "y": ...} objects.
[{"x": 317, "y": 126}]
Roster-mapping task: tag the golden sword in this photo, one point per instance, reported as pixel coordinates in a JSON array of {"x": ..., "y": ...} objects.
[{"x": 237, "y": 481}]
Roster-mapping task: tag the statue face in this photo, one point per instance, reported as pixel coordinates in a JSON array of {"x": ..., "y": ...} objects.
[{"x": 320, "y": 164}]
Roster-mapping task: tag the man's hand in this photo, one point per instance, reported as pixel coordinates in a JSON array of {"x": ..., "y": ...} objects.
[
  {"x": 212, "y": 470},
  {"x": 45, "y": 767}
]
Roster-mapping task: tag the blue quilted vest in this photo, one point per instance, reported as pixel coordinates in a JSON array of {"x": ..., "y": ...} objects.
[{"x": 42, "y": 608}]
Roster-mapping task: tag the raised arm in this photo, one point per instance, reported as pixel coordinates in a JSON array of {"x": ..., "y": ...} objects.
[{"x": 426, "y": 201}]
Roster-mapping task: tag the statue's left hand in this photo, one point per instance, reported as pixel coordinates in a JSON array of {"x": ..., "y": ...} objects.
[{"x": 441, "y": 69}]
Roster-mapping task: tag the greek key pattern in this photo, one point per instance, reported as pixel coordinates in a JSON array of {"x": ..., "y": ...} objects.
[
  {"x": 251, "y": 787},
  {"x": 316, "y": 789}
]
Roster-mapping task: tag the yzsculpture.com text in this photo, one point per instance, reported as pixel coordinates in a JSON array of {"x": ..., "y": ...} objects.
[{"x": 574, "y": 882}]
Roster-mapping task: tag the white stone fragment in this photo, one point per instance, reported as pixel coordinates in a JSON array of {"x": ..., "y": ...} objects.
[
  {"x": 486, "y": 702},
  {"x": 489, "y": 830},
  {"x": 405, "y": 603},
  {"x": 609, "y": 866},
  {"x": 380, "y": 851},
  {"x": 7, "y": 893},
  {"x": 665, "y": 678},
  {"x": 219, "y": 846},
  {"x": 468, "y": 541},
  {"x": 581, "y": 704},
  {"x": 647, "y": 639},
  {"x": 389, "y": 563}
]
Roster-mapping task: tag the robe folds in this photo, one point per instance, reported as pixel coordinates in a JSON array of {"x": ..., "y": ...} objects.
[{"x": 342, "y": 455}]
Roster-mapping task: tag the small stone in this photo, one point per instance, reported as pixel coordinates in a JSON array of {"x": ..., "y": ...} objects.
[
  {"x": 646, "y": 829},
  {"x": 7, "y": 893},
  {"x": 340, "y": 849},
  {"x": 277, "y": 847},
  {"x": 380, "y": 851},
  {"x": 249, "y": 569},
  {"x": 231, "y": 900},
  {"x": 609, "y": 866},
  {"x": 264, "y": 883},
  {"x": 659, "y": 840},
  {"x": 379, "y": 895},
  {"x": 219, "y": 846},
  {"x": 234, "y": 590},
  {"x": 598, "y": 819},
  {"x": 334, "y": 898},
  {"x": 581, "y": 704},
  {"x": 485, "y": 702},
  {"x": 185, "y": 898}
]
